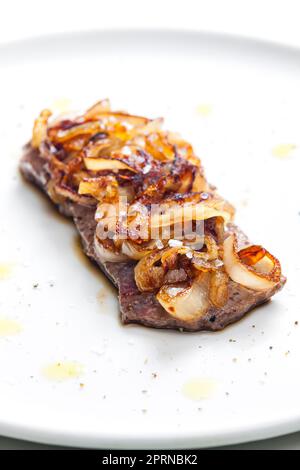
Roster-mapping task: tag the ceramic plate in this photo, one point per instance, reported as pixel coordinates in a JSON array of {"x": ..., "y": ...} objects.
[{"x": 70, "y": 373}]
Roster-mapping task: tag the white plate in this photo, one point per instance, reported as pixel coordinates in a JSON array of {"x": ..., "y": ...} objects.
[{"x": 236, "y": 101}]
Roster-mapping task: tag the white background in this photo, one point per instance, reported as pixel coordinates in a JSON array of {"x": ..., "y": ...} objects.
[{"x": 273, "y": 20}]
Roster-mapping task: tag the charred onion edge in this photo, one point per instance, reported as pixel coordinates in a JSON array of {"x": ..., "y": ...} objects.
[
  {"x": 107, "y": 255},
  {"x": 246, "y": 275},
  {"x": 100, "y": 164},
  {"x": 188, "y": 302}
]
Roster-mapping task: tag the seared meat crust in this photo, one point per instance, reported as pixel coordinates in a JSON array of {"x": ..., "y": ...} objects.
[{"x": 135, "y": 306}]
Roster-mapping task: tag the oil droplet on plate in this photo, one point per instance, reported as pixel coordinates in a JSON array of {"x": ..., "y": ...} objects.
[
  {"x": 199, "y": 389},
  {"x": 283, "y": 150},
  {"x": 9, "y": 327},
  {"x": 5, "y": 270},
  {"x": 244, "y": 202},
  {"x": 204, "y": 109},
  {"x": 102, "y": 294},
  {"x": 61, "y": 105},
  {"x": 63, "y": 371}
]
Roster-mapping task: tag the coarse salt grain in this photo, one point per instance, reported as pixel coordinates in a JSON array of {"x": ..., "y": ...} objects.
[
  {"x": 159, "y": 244},
  {"x": 174, "y": 243},
  {"x": 218, "y": 263},
  {"x": 126, "y": 151},
  {"x": 173, "y": 291},
  {"x": 146, "y": 168}
]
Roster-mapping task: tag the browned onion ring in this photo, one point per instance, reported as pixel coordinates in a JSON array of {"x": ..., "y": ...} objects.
[{"x": 263, "y": 274}]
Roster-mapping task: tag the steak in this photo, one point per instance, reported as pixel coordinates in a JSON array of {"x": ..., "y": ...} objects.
[{"x": 143, "y": 307}]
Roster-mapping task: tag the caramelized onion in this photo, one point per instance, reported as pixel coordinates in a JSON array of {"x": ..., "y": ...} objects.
[
  {"x": 103, "y": 188},
  {"x": 151, "y": 269},
  {"x": 149, "y": 273},
  {"x": 151, "y": 126},
  {"x": 149, "y": 166},
  {"x": 108, "y": 255},
  {"x": 63, "y": 135},
  {"x": 199, "y": 184},
  {"x": 109, "y": 218},
  {"x": 187, "y": 302},
  {"x": 175, "y": 213},
  {"x": 126, "y": 119},
  {"x": 207, "y": 260},
  {"x": 40, "y": 128},
  {"x": 99, "y": 164},
  {"x": 252, "y": 254},
  {"x": 262, "y": 275},
  {"x": 68, "y": 193},
  {"x": 218, "y": 288},
  {"x": 135, "y": 251},
  {"x": 97, "y": 109}
]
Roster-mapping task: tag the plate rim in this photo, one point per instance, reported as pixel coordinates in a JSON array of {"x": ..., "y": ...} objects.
[{"x": 281, "y": 425}]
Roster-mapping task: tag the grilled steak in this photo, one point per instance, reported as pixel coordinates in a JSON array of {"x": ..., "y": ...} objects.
[{"x": 136, "y": 306}]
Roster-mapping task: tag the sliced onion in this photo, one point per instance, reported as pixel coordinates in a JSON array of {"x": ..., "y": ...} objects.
[
  {"x": 218, "y": 288},
  {"x": 103, "y": 188},
  {"x": 252, "y": 254},
  {"x": 148, "y": 276},
  {"x": 135, "y": 251},
  {"x": 107, "y": 255},
  {"x": 199, "y": 184},
  {"x": 109, "y": 219},
  {"x": 153, "y": 125},
  {"x": 63, "y": 135},
  {"x": 99, "y": 164},
  {"x": 186, "y": 302},
  {"x": 151, "y": 269},
  {"x": 169, "y": 255},
  {"x": 125, "y": 119},
  {"x": 39, "y": 131},
  {"x": 101, "y": 146},
  {"x": 182, "y": 212},
  {"x": 97, "y": 109},
  {"x": 158, "y": 145},
  {"x": 183, "y": 148},
  {"x": 211, "y": 249},
  {"x": 138, "y": 221},
  {"x": 173, "y": 217},
  {"x": 73, "y": 195},
  {"x": 263, "y": 275}
]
